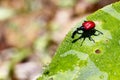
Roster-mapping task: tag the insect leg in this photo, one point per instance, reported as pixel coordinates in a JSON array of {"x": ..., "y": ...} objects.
[
  {"x": 99, "y": 32},
  {"x": 76, "y": 39},
  {"x": 82, "y": 41},
  {"x": 91, "y": 39},
  {"x": 76, "y": 31},
  {"x": 73, "y": 34}
]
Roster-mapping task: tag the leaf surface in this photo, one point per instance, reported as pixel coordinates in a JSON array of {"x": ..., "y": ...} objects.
[{"x": 91, "y": 61}]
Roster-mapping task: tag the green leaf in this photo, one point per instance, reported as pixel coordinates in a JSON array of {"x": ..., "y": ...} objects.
[{"x": 91, "y": 61}]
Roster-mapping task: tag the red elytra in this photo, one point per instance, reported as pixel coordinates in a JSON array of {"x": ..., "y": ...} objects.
[{"x": 88, "y": 25}]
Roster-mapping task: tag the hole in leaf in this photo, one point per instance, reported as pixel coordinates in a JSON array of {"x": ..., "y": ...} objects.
[{"x": 97, "y": 51}]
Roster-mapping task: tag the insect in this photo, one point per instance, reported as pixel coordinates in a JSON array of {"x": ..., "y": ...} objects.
[{"x": 86, "y": 31}]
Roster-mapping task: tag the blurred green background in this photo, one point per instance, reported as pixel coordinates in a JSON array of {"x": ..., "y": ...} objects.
[{"x": 31, "y": 30}]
